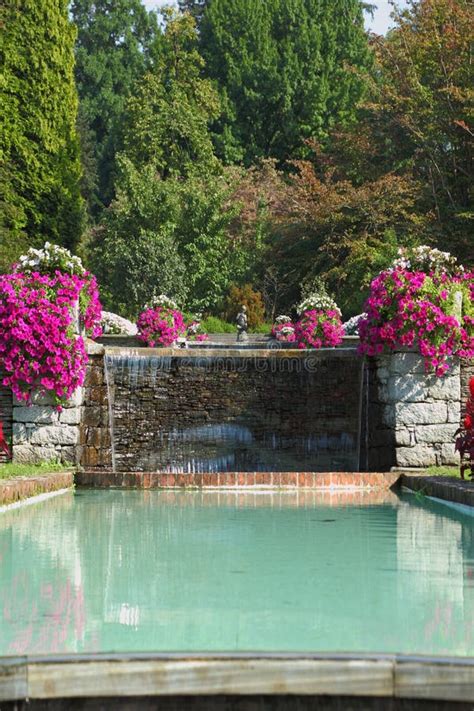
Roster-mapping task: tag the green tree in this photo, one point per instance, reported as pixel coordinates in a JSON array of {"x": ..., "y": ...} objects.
[
  {"x": 423, "y": 90},
  {"x": 134, "y": 251},
  {"x": 167, "y": 118},
  {"x": 39, "y": 151},
  {"x": 116, "y": 43},
  {"x": 167, "y": 229},
  {"x": 287, "y": 70}
]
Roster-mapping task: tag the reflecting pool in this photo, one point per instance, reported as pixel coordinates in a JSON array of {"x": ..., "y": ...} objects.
[{"x": 134, "y": 571}]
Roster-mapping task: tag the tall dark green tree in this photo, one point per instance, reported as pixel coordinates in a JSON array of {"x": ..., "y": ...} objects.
[
  {"x": 39, "y": 152},
  {"x": 288, "y": 70},
  {"x": 115, "y": 45}
]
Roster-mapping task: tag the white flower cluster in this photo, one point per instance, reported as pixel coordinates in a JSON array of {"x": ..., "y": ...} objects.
[
  {"x": 426, "y": 259},
  {"x": 287, "y": 330},
  {"x": 113, "y": 323},
  {"x": 317, "y": 302},
  {"x": 282, "y": 319},
  {"x": 50, "y": 258},
  {"x": 351, "y": 327},
  {"x": 162, "y": 300}
]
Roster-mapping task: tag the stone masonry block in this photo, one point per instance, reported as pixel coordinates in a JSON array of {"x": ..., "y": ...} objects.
[
  {"x": 19, "y": 433},
  {"x": 28, "y": 454},
  {"x": 420, "y": 456},
  {"x": 436, "y": 433},
  {"x": 72, "y": 416},
  {"x": 411, "y": 388},
  {"x": 51, "y": 435},
  {"x": 415, "y": 413},
  {"x": 448, "y": 455},
  {"x": 404, "y": 363},
  {"x": 405, "y": 437},
  {"x": 454, "y": 411},
  {"x": 447, "y": 388},
  {"x": 37, "y": 414}
]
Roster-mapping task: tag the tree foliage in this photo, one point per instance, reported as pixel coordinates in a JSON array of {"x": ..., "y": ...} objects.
[
  {"x": 167, "y": 118},
  {"x": 424, "y": 87},
  {"x": 287, "y": 70},
  {"x": 167, "y": 230},
  {"x": 116, "y": 43},
  {"x": 39, "y": 153}
]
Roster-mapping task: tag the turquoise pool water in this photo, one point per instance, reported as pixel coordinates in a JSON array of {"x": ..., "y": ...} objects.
[{"x": 130, "y": 571}]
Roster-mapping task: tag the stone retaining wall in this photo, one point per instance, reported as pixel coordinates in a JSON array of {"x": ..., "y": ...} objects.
[
  {"x": 41, "y": 433},
  {"x": 6, "y": 414},
  {"x": 419, "y": 413}
]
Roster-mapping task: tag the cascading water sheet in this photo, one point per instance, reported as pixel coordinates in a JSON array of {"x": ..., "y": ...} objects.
[{"x": 208, "y": 412}]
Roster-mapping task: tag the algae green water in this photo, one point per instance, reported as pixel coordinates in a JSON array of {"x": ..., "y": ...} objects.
[{"x": 130, "y": 571}]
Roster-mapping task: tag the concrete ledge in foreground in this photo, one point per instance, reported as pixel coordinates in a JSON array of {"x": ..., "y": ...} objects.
[{"x": 91, "y": 676}]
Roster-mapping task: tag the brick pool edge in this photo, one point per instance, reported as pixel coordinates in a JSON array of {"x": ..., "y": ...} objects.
[
  {"x": 18, "y": 489},
  {"x": 237, "y": 480}
]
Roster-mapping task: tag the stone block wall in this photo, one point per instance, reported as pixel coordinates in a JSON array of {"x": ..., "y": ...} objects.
[
  {"x": 41, "y": 433},
  {"x": 418, "y": 413},
  {"x": 6, "y": 414},
  {"x": 95, "y": 440}
]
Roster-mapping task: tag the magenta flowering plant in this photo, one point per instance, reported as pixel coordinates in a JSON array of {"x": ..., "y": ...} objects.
[
  {"x": 283, "y": 330},
  {"x": 39, "y": 350},
  {"x": 319, "y": 328},
  {"x": 160, "y": 326},
  {"x": 433, "y": 313}
]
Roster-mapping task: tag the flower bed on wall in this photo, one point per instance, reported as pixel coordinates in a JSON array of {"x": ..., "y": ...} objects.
[
  {"x": 40, "y": 350},
  {"x": 432, "y": 311}
]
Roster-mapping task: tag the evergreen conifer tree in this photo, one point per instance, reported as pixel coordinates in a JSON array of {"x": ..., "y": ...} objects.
[{"x": 39, "y": 150}]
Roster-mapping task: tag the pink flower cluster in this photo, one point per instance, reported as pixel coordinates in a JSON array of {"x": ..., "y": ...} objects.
[
  {"x": 317, "y": 329},
  {"x": 284, "y": 332},
  {"x": 411, "y": 309},
  {"x": 38, "y": 348},
  {"x": 160, "y": 326},
  {"x": 91, "y": 310}
]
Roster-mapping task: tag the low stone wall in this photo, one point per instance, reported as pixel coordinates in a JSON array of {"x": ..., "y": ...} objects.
[
  {"x": 6, "y": 414},
  {"x": 42, "y": 433},
  {"x": 408, "y": 418},
  {"x": 418, "y": 413}
]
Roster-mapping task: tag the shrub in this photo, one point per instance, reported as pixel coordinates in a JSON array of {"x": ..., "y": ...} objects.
[
  {"x": 317, "y": 329},
  {"x": 253, "y": 300},
  {"x": 213, "y": 324}
]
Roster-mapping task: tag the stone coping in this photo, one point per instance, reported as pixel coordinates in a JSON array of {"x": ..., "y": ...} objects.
[
  {"x": 458, "y": 491},
  {"x": 238, "y": 480},
  {"x": 139, "y": 675},
  {"x": 191, "y": 354},
  {"x": 20, "y": 488},
  {"x": 255, "y": 340}
]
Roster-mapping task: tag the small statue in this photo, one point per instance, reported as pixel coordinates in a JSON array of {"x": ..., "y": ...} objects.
[{"x": 242, "y": 325}]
